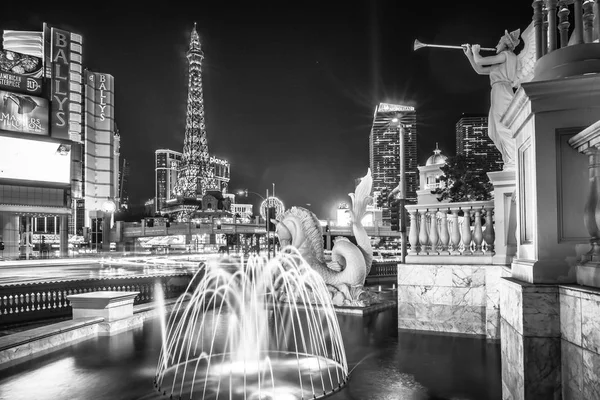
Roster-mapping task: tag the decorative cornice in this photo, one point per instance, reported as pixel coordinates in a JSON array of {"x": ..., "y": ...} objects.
[{"x": 589, "y": 137}]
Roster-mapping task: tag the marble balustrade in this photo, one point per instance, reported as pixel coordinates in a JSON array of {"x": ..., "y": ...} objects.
[{"x": 451, "y": 233}]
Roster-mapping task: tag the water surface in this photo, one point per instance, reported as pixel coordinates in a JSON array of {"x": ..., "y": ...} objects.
[{"x": 386, "y": 364}]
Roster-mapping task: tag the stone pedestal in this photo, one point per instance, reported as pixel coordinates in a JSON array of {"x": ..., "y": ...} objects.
[
  {"x": 110, "y": 305},
  {"x": 530, "y": 341},
  {"x": 588, "y": 274},
  {"x": 505, "y": 216},
  {"x": 551, "y": 177}
]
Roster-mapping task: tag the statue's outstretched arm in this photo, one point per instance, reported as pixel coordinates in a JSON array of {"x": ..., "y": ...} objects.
[
  {"x": 481, "y": 70},
  {"x": 488, "y": 60}
]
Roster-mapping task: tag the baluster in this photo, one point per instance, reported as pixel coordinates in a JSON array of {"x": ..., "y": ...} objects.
[
  {"x": 477, "y": 233},
  {"x": 455, "y": 235},
  {"x": 588, "y": 21},
  {"x": 578, "y": 17},
  {"x": 596, "y": 10},
  {"x": 592, "y": 204},
  {"x": 27, "y": 302},
  {"x": 433, "y": 232},
  {"x": 563, "y": 22},
  {"x": 489, "y": 235},
  {"x": 544, "y": 43},
  {"x": 21, "y": 303},
  {"x": 466, "y": 232},
  {"x": 444, "y": 235},
  {"x": 551, "y": 5},
  {"x": 423, "y": 237},
  {"x": 413, "y": 234},
  {"x": 10, "y": 304},
  {"x": 538, "y": 25}
]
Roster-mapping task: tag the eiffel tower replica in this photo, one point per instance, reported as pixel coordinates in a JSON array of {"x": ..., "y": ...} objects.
[{"x": 195, "y": 176}]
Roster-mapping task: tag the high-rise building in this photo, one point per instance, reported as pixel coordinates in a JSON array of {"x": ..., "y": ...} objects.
[
  {"x": 384, "y": 151},
  {"x": 66, "y": 131},
  {"x": 473, "y": 142},
  {"x": 167, "y": 163},
  {"x": 167, "y": 166},
  {"x": 195, "y": 176}
]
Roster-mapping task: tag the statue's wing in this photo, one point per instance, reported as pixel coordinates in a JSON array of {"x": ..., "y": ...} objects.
[{"x": 526, "y": 58}]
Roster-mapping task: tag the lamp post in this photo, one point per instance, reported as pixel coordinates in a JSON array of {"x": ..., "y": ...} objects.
[{"x": 402, "y": 196}]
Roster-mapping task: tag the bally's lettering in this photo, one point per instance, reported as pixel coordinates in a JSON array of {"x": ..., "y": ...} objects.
[
  {"x": 102, "y": 88},
  {"x": 60, "y": 77}
]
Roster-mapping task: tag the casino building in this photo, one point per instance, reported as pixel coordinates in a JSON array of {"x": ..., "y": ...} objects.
[{"x": 59, "y": 150}]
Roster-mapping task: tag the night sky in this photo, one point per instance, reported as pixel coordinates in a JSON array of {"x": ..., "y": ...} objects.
[{"x": 289, "y": 90}]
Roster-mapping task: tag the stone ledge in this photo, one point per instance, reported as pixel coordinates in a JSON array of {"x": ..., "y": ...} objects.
[
  {"x": 24, "y": 337},
  {"x": 384, "y": 305}
]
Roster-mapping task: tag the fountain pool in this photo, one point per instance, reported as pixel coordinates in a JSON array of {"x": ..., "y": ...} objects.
[{"x": 382, "y": 362}]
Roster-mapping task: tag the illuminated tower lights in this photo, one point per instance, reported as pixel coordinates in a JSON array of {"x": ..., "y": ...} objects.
[{"x": 196, "y": 174}]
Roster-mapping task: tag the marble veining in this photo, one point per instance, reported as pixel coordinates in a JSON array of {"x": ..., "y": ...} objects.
[
  {"x": 542, "y": 368},
  {"x": 572, "y": 370},
  {"x": 541, "y": 314},
  {"x": 590, "y": 324},
  {"x": 449, "y": 298},
  {"x": 591, "y": 375},
  {"x": 570, "y": 318}
]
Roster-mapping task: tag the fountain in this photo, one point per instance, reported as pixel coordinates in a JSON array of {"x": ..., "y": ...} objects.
[{"x": 254, "y": 330}]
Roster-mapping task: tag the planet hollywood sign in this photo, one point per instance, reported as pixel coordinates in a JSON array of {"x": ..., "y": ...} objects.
[{"x": 214, "y": 160}]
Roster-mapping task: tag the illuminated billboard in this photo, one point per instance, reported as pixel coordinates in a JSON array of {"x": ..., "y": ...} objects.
[
  {"x": 23, "y": 113},
  {"x": 20, "y": 72},
  {"x": 34, "y": 160},
  {"x": 66, "y": 84}
]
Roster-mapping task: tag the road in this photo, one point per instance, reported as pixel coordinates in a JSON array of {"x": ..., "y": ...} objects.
[{"x": 74, "y": 269}]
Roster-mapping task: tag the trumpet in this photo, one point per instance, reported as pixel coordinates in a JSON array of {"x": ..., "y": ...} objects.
[{"x": 419, "y": 45}]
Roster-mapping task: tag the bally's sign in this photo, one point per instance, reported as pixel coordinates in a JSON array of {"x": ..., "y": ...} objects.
[{"x": 20, "y": 83}]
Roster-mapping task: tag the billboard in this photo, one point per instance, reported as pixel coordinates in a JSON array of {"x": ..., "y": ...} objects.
[
  {"x": 20, "y": 72},
  {"x": 23, "y": 113},
  {"x": 34, "y": 160},
  {"x": 66, "y": 84}
]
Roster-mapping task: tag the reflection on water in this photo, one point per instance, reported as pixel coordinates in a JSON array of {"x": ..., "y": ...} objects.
[{"x": 387, "y": 365}]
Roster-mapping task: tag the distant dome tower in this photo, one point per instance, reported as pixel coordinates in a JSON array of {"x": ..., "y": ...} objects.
[
  {"x": 429, "y": 177},
  {"x": 436, "y": 158}
]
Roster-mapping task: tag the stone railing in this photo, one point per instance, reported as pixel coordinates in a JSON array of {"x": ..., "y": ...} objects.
[
  {"x": 44, "y": 300},
  {"x": 451, "y": 233},
  {"x": 564, "y": 33}
]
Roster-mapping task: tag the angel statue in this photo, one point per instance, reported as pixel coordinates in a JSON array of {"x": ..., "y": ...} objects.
[{"x": 507, "y": 71}]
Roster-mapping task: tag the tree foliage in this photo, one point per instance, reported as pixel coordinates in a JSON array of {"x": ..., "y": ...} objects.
[{"x": 465, "y": 180}]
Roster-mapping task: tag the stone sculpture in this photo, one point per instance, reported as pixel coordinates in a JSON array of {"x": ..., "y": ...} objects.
[
  {"x": 350, "y": 264},
  {"x": 506, "y": 71}
]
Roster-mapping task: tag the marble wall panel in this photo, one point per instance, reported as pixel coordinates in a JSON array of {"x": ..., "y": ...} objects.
[
  {"x": 541, "y": 314},
  {"x": 572, "y": 373},
  {"x": 446, "y": 298},
  {"x": 542, "y": 367},
  {"x": 511, "y": 304},
  {"x": 512, "y": 362},
  {"x": 590, "y": 324},
  {"x": 591, "y": 375},
  {"x": 570, "y": 318}
]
